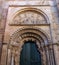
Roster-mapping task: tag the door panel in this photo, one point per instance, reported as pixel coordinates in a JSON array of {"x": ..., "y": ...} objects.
[{"x": 30, "y": 55}]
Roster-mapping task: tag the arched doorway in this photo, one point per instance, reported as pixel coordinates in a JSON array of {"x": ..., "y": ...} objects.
[
  {"x": 30, "y": 54},
  {"x": 30, "y": 32},
  {"x": 17, "y": 43}
]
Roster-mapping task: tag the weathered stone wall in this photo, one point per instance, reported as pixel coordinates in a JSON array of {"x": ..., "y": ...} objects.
[{"x": 9, "y": 8}]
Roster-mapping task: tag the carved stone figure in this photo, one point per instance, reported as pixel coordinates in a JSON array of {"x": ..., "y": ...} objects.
[{"x": 28, "y": 17}]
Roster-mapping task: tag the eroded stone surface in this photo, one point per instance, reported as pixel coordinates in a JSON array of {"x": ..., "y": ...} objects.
[{"x": 9, "y": 12}]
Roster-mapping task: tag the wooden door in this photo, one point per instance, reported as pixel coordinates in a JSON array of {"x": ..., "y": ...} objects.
[{"x": 29, "y": 54}]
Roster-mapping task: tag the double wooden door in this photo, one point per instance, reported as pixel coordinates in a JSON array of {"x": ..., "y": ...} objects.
[{"x": 30, "y": 54}]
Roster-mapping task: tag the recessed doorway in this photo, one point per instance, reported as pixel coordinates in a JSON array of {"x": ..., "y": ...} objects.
[{"x": 30, "y": 54}]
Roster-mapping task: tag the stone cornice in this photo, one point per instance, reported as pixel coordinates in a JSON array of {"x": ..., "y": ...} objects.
[
  {"x": 24, "y": 3},
  {"x": 29, "y": 25}
]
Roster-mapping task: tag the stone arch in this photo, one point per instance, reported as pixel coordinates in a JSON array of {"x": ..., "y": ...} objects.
[
  {"x": 35, "y": 30},
  {"x": 15, "y": 17},
  {"x": 30, "y": 33},
  {"x": 34, "y": 10}
]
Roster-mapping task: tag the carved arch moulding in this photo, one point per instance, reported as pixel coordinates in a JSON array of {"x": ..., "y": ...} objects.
[
  {"x": 29, "y": 16},
  {"x": 20, "y": 36}
]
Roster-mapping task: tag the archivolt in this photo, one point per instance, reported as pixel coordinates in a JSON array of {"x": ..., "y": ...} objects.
[
  {"x": 39, "y": 34},
  {"x": 25, "y": 34}
]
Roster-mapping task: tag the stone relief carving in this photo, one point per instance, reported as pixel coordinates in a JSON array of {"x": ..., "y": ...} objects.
[{"x": 29, "y": 17}]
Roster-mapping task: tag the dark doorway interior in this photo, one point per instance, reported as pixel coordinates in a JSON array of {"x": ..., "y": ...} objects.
[{"x": 30, "y": 54}]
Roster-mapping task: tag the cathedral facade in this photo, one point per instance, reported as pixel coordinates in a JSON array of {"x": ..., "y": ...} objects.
[{"x": 29, "y": 32}]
